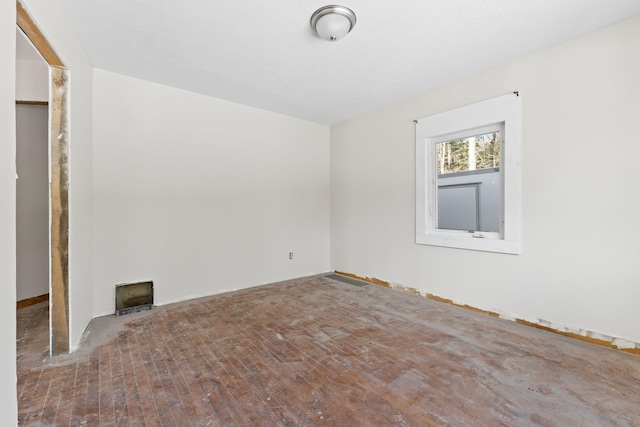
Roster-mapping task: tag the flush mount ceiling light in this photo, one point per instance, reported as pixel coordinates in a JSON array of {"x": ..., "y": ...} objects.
[{"x": 333, "y": 22}]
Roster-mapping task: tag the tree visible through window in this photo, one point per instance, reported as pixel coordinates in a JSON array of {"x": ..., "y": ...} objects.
[{"x": 470, "y": 153}]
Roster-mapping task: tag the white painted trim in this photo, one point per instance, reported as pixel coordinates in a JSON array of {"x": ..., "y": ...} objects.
[{"x": 432, "y": 129}]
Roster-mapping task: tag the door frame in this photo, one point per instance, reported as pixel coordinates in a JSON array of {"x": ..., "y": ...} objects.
[{"x": 59, "y": 183}]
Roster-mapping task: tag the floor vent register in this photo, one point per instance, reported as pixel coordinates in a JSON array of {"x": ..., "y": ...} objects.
[
  {"x": 347, "y": 280},
  {"x": 134, "y": 297}
]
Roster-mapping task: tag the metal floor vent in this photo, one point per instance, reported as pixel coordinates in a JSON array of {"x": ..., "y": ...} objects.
[
  {"x": 347, "y": 280},
  {"x": 134, "y": 297}
]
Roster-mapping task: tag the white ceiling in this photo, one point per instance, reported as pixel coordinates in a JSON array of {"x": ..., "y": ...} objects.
[{"x": 264, "y": 53}]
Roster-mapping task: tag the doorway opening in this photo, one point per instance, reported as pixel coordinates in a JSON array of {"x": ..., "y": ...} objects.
[{"x": 58, "y": 171}]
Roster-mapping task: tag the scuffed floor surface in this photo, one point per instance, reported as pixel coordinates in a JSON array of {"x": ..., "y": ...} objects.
[{"x": 317, "y": 352}]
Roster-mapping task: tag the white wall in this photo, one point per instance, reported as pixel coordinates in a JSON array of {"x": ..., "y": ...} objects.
[
  {"x": 202, "y": 195},
  {"x": 56, "y": 25},
  {"x": 32, "y": 198},
  {"x": 32, "y": 80},
  {"x": 32, "y": 191},
  {"x": 8, "y": 397},
  {"x": 579, "y": 262}
]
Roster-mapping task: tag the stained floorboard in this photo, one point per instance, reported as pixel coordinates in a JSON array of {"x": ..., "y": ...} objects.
[{"x": 318, "y": 352}]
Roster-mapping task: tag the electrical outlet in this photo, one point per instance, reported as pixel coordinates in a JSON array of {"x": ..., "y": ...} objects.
[{"x": 290, "y": 255}]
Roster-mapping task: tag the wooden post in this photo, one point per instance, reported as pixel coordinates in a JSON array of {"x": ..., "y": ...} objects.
[{"x": 59, "y": 214}]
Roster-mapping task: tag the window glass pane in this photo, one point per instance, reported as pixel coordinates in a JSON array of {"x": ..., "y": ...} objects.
[
  {"x": 470, "y": 153},
  {"x": 458, "y": 207},
  {"x": 469, "y": 191}
]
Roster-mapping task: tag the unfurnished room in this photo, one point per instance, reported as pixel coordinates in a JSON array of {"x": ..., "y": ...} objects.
[{"x": 296, "y": 213}]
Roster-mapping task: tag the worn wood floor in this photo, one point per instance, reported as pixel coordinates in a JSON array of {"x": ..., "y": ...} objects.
[{"x": 317, "y": 352}]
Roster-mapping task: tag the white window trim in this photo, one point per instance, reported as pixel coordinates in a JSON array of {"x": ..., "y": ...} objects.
[{"x": 439, "y": 127}]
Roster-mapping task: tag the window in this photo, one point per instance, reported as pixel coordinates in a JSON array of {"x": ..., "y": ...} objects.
[
  {"x": 468, "y": 180},
  {"x": 468, "y": 177}
]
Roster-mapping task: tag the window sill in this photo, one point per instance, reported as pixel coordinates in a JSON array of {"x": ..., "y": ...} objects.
[{"x": 464, "y": 240}]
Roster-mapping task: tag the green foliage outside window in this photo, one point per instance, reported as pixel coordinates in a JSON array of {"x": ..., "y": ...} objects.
[{"x": 470, "y": 153}]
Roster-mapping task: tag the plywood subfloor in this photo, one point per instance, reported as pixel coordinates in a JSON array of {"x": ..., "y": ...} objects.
[{"x": 318, "y": 352}]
